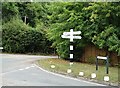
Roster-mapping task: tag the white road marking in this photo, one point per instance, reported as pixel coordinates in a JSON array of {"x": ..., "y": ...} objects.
[
  {"x": 17, "y": 70},
  {"x": 21, "y": 69},
  {"x": 8, "y": 72},
  {"x": 51, "y": 73},
  {"x": 67, "y": 76},
  {"x": 27, "y": 67}
]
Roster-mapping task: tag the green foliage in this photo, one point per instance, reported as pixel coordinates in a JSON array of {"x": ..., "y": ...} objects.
[
  {"x": 91, "y": 60},
  {"x": 63, "y": 17},
  {"x": 9, "y": 10},
  {"x": 35, "y": 12},
  {"x": 20, "y": 38},
  {"x": 105, "y": 25},
  {"x": 108, "y": 39},
  {"x": 99, "y": 23}
]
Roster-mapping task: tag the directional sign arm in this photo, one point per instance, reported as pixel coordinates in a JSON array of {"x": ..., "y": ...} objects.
[
  {"x": 74, "y": 37},
  {"x": 77, "y": 37},
  {"x": 63, "y": 36},
  {"x": 71, "y": 35},
  {"x": 74, "y": 33}
]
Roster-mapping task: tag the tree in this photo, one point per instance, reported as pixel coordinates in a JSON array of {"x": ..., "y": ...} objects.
[
  {"x": 9, "y": 10},
  {"x": 97, "y": 21},
  {"x": 20, "y": 36},
  {"x": 63, "y": 17},
  {"x": 103, "y": 20}
]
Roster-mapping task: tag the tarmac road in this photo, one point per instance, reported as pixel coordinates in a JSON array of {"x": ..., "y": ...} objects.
[{"x": 20, "y": 70}]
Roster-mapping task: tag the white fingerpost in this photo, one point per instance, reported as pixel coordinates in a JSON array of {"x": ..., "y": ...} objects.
[{"x": 71, "y": 35}]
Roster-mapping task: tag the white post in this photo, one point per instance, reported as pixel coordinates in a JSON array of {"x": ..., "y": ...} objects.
[{"x": 71, "y": 35}]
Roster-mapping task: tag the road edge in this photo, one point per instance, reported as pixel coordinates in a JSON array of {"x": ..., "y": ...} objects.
[{"x": 68, "y": 77}]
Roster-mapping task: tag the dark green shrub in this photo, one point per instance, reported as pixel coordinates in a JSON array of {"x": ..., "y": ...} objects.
[{"x": 21, "y": 38}]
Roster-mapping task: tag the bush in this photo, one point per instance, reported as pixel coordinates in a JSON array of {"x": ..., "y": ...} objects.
[{"x": 21, "y": 38}]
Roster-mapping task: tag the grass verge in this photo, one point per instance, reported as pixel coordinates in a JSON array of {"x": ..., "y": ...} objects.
[{"x": 61, "y": 66}]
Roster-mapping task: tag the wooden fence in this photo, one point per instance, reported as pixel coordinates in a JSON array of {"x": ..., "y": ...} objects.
[{"x": 90, "y": 53}]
